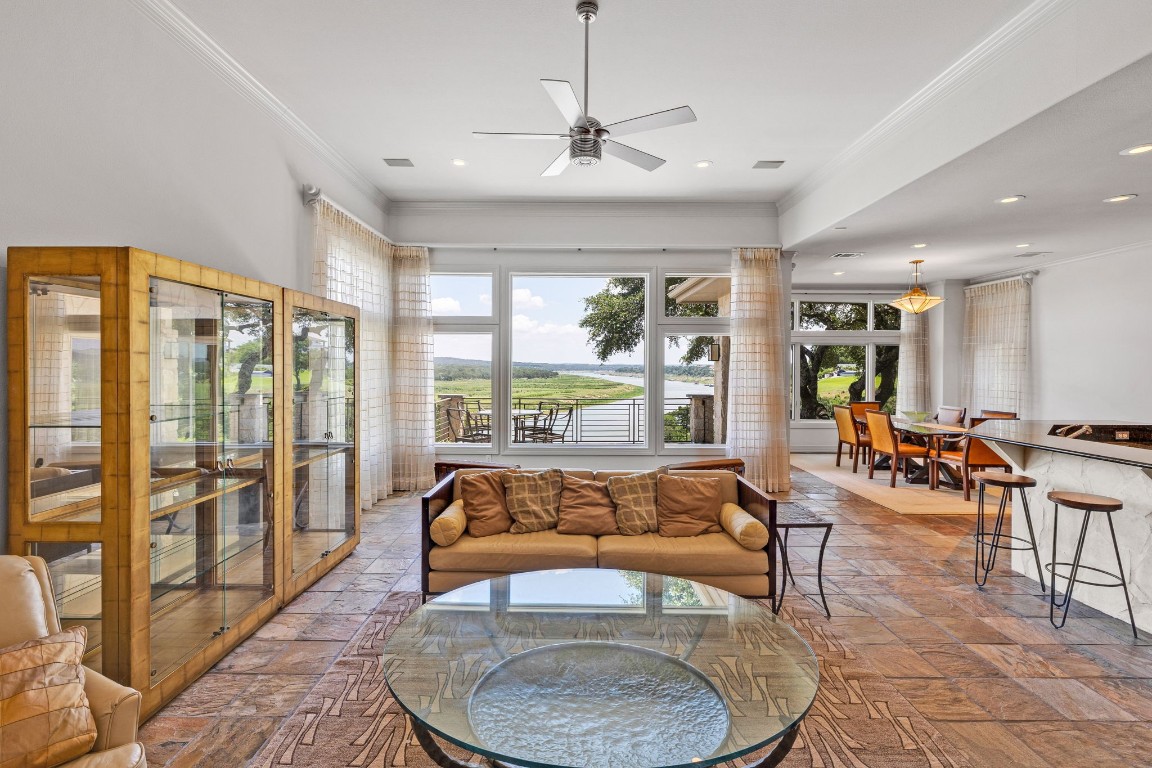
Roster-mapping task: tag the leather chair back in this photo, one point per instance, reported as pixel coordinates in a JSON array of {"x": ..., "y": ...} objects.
[
  {"x": 845, "y": 425},
  {"x": 880, "y": 428}
]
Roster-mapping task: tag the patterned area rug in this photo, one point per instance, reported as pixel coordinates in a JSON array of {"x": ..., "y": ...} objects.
[{"x": 857, "y": 721}]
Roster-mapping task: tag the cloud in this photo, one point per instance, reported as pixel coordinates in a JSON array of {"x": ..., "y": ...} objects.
[
  {"x": 486, "y": 299},
  {"x": 445, "y": 305},
  {"x": 522, "y": 298}
]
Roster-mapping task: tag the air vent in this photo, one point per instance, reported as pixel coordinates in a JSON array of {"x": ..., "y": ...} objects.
[
  {"x": 847, "y": 255},
  {"x": 1031, "y": 254},
  {"x": 767, "y": 164},
  {"x": 398, "y": 162}
]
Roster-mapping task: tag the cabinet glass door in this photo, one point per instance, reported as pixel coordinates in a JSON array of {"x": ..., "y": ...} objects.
[
  {"x": 63, "y": 369},
  {"x": 246, "y": 509},
  {"x": 323, "y": 416}
]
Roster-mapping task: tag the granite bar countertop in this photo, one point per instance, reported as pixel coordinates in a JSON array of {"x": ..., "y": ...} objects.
[{"x": 1106, "y": 441}]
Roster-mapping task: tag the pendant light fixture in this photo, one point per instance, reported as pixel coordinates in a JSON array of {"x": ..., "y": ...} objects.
[{"x": 916, "y": 299}]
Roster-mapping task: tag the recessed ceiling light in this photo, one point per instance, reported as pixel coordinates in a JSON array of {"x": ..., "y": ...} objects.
[
  {"x": 920, "y": 245},
  {"x": 1139, "y": 149},
  {"x": 458, "y": 161},
  {"x": 837, "y": 274},
  {"x": 1011, "y": 199},
  {"x": 1023, "y": 245},
  {"x": 704, "y": 164},
  {"x": 1119, "y": 198}
]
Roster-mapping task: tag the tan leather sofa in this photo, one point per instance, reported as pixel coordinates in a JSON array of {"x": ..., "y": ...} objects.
[
  {"x": 711, "y": 558},
  {"x": 28, "y": 608}
]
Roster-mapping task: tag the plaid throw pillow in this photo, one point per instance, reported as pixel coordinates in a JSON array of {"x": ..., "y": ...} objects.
[
  {"x": 534, "y": 499},
  {"x": 635, "y": 498}
]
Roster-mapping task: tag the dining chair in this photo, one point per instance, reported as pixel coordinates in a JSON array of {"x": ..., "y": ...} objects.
[
  {"x": 951, "y": 414},
  {"x": 886, "y": 443},
  {"x": 849, "y": 433},
  {"x": 998, "y": 414},
  {"x": 552, "y": 425},
  {"x": 859, "y": 407},
  {"x": 973, "y": 455}
]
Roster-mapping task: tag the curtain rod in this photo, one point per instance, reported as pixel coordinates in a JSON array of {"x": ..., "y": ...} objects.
[
  {"x": 1025, "y": 276},
  {"x": 313, "y": 194}
]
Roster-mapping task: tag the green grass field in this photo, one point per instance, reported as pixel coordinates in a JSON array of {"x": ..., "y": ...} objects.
[
  {"x": 835, "y": 389},
  {"x": 562, "y": 387}
]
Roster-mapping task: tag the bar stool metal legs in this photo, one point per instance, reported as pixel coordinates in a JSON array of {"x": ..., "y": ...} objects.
[
  {"x": 988, "y": 544},
  {"x": 1088, "y": 504}
]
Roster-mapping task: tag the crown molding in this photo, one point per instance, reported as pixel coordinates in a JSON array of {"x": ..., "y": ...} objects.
[
  {"x": 981, "y": 57},
  {"x": 586, "y": 210},
  {"x": 173, "y": 21},
  {"x": 1142, "y": 244}
]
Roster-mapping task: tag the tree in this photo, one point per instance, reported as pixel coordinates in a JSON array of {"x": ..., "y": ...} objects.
[
  {"x": 817, "y": 358},
  {"x": 614, "y": 318}
]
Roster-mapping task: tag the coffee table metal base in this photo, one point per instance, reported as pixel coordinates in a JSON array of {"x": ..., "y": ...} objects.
[{"x": 444, "y": 760}]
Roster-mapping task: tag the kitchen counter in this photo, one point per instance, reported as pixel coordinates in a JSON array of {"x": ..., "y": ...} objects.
[{"x": 1110, "y": 458}]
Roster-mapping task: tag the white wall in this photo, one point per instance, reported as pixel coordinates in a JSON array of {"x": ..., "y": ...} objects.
[
  {"x": 1091, "y": 358},
  {"x": 112, "y": 134}
]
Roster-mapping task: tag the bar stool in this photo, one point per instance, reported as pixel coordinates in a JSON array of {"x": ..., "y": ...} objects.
[
  {"x": 988, "y": 544},
  {"x": 1088, "y": 503}
]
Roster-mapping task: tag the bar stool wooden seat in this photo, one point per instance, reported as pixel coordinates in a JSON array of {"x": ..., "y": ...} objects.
[
  {"x": 1090, "y": 505},
  {"x": 989, "y": 543}
]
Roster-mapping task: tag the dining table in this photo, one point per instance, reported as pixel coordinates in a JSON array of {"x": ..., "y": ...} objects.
[{"x": 931, "y": 434}]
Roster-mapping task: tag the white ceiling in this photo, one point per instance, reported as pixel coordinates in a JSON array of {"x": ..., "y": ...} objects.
[{"x": 792, "y": 80}]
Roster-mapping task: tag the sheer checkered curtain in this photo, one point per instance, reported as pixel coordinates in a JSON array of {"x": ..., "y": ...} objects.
[
  {"x": 913, "y": 390},
  {"x": 355, "y": 265},
  {"x": 413, "y": 405},
  {"x": 997, "y": 326},
  {"x": 758, "y": 379}
]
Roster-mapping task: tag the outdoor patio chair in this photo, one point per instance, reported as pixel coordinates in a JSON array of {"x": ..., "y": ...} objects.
[
  {"x": 468, "y": 427},
  {"x": 552, "y": 425}
]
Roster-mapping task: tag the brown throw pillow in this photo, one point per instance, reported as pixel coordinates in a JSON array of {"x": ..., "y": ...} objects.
[
  {"x": 635, "y": 498},
  {"x": 534, "y": 499},
  {"x": 688, "y": 506},
  {"x": 46, "y": 716},
  {"x": 586, "y": 507},
  {"x": 484, "y": 503}
]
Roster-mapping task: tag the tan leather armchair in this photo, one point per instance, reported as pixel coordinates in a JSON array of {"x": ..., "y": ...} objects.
[{"x": 29, "y": 611}]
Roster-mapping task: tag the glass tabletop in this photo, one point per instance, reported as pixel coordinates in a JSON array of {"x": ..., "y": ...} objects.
[{"x": 596, "y": 667}]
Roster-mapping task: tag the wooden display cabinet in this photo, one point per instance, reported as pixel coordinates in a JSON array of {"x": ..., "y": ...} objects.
[{"x": 153, "y": 455}]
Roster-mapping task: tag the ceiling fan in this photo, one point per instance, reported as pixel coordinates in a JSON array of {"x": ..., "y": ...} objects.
[{"x": 587, "y": 138}]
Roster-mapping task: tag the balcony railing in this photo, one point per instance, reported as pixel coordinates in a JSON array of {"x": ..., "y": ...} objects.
[{"x": 578, "y": 421}]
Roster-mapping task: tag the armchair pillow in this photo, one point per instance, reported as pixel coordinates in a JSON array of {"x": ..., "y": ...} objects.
[
  {"x": 46, "y": 716},
  {"x": 687, "y": 506},
  {"x": 635, "y": 499},
  {"x": 449, "y": 524},
  {"x": 534, "y": 499},
  {"x": 484, "y": 503},
  {"x": 749, "y": 532},
  {"x": 586, "y": 508}
]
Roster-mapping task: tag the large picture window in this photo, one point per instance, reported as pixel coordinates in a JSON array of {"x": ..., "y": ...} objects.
[{"x": 843, "y": 351}]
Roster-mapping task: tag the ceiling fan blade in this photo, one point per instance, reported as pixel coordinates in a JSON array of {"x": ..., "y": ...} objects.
[
  {"x": 636, "y": 157},
  {"x": 565, "y": 100},
  {"x": 487, "y": 135},
  {"x": 559, "y": 164},
  {"x": 664, "y": 119}
]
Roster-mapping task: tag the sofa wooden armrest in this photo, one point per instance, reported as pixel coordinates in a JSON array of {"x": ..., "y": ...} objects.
[{"x": 432, "y": 504}]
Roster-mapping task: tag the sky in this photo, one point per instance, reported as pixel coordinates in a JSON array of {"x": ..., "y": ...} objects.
[{"x": 546, "y": 313}]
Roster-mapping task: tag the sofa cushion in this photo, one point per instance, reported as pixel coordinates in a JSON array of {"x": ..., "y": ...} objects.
[
  {"x": 728, "y": 484},
  {"x": 484, "y": 503},
  {"x": 46, "y": 720},
  {"x": 449, "y": 524},
  {"x": 635, "y": 499},
  {"x": 586, "y": 507},
  {"x": 749, "y": 532},
  {"x": 710, "y": 553},
  {"x": 687, "y": 506},
  {"x": 515, "y": 552},
  {"x": 533, "y": 499}
]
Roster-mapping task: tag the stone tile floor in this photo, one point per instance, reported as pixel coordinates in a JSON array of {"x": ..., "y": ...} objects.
[{"x": 984, "y": 667}]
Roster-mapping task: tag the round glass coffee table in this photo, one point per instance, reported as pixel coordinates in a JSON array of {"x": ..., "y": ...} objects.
[{"x": 604, "y": 668}]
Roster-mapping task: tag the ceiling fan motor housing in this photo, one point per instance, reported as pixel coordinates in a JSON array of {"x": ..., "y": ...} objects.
[
  {"x": 586, "y": 10},
  {"x": 586, "y": 147}
]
